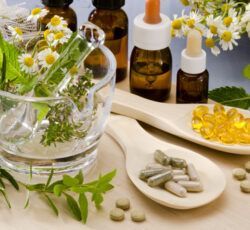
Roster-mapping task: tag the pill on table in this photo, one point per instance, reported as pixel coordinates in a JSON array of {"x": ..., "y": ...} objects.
[
  {"x": 239, "y": 173},
  {"x": 177, "y": 178},
  {"x": 245, "y": 186},
  {"x": 191, "y": 186},
  {"x": 178, "y": 172},
  {"x": 146, "y": 173},
  {"x": 161, "y": 157},
  {"x": 178, "y": 162},
  {"x": 123, "y": 203},
  {"x": 247, "y": 166},
  {"x": 157, "y": 166},
  {"x": 175, "y": 188},
  {"x": 117, "y": 214},
  {"x": 193, "y": 174},
  {"x": 160, "y": 179},
  {"x": 138, "y": 216}
]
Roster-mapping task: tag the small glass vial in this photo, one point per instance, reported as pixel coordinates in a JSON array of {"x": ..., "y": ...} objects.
[
  {"x": 193, "y": 78},
  {"x": 109, "y": 16},
  {"x": 151, "y": 59},
  {"x": 61, "y": 8}
]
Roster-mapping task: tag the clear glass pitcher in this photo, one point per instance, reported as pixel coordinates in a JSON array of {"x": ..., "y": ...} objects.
[{"x": 21, "y": 131}]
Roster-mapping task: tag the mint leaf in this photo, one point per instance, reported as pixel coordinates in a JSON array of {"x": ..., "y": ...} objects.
[
  {"x": 246, "y": 71},
  {"x": 231, "y": 96},
  {"x": 83, "y": 203},
  {"x": 42, "y": 110},
  {"x": 70, "y": 181},
  {"x": 10, "y": 178},
  {"x": 51, "y": 204},
  {"x": 73, "y": 207}
]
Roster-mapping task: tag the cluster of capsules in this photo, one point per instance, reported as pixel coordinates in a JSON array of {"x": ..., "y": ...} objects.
[{"x": 227, "y": 127}]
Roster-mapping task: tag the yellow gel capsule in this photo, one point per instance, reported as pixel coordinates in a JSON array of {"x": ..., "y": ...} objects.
[
  {"x": 227, "y": 138},
  {"x": 200, "y": 110},
  {"x": 208, "y": 117},
  {"x": 245, "y": 138},
  {"x": 219, "y": 108},
  {"x": 196, "y": 123},
  {"x": 231, "y": 113},
  {"x": 220, "y": 118},
  {"x": 207, "y": 130},
  {"x": 247, "y": 125},
  {"x": 239, "y": 121}
]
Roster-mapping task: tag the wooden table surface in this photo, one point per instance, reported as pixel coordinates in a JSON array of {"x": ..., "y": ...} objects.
[{"x": 229, "y": 212}]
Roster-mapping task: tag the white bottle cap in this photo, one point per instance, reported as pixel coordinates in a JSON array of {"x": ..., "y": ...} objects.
[{"x": 152, "y": 36}]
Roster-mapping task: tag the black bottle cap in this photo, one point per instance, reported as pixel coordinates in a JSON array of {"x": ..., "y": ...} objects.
[
  {"x": 108, "y": 4},
  {"x": 56, "y": 3}
]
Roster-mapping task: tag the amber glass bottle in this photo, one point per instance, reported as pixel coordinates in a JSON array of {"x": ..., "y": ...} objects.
[
  {"x": 109, "y": 16},
  {"x": 150, "y": 73},
  {"x": 62, "y": 9}
]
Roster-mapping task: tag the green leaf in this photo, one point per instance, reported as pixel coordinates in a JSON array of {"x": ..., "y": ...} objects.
[
  {"x": 51, "y": 187},
  {"x": 73, "y": 207},
  {"x": 49, "y": 179},
  {"x": 51, "y": 204},
  {"x": 83, "y": 203},
  {"x": 246, "y": 71},
  {"x": 3, "y": 71},
  {"x": 42, "y": 110},
  {"x": 79, "y": 177},
  {"x": 231, "y": 96},
  {"x": 70, "y": 181},
  {"x": 58, "y": 189},
  {"x": 98, "y": 199},
  {"x": 107, "y": 177},
  {"x": 35, "y": 187},
  {"x": 6, "y": 198},
  {"x": 27, "y": 202},
  {"x": 2, "y": 183},
  {"x": 9, "y": 177}
]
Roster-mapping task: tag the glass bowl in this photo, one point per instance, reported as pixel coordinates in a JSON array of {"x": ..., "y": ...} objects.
[{"x": 21, "y": 132}]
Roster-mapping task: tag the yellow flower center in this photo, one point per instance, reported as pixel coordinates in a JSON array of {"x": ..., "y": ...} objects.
[
  {"x": 227, "y": 21},
  {"x": 185, "y": 2},
  {"x": 176, "y": 24},
  {"x": 36, "y": 11},
  {"x": 18, "y": 31},
  {"x": 226, "y": 36},
  {"x": 59, "y": 35},
  {"x": 55, "y": 21},
  {"x": 50, "y": 59},
  {"x": 46, "y": 33},
  {"x": 28, "y": 61},
  {"x": 73, "y": 71},
  {"x": 213, "y": 29},
  {"x": 191, "y": 23},
  {"x": 209, "y": 42}
]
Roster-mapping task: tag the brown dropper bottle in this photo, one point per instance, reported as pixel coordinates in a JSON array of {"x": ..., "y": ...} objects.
[
  {"x": 61, "y": 8},
  {"x": 109, "y": 16}
]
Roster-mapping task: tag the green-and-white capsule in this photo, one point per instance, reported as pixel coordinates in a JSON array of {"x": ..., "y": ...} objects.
[
  {"x": 162, "y": 158},
  {"x": 177, "y": 178},
  {"x": 146, "y": 173},
  {"x": 178, "y": 163},
  {"x": 191, "y": 186},
  {"x": 176, "y": 189},
  {"x": 193, "y": 174},
  {"x": 160, "y": 179},
  {"x": 157, "y": 166}
]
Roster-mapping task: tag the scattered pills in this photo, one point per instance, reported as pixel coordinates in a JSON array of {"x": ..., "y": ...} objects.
[
  {"x": 245, "y": 186},
  {"x": 117, "y": 214},
  {"x": 176, "y": 189},
  {"x": 138, "y": 216},
  {"x": 239, "y": 174},
  {"x": 191, "y": 186},
  {"x": 123, "y": 203},
  {"x": 247, "y": 166}
]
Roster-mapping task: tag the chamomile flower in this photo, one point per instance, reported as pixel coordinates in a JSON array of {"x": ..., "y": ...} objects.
[
  {"x": 61, "y": 37},
  {"x": 57, "y": 24},
  {"x": 48, "y": 36},
  {"x": 193, "y": 21},
  {"x": 214, "y": 25},
  {"x": 177, "y": 26},
  {"x": 47, "y": 58},
  {"x": 28, "y": 63},
  {"x": 210, "y": 43},
  {"x": 16, "y": 33},
  {"x": 37, "y": 13},
  {"x": 231, "y": 19},
  {"x": 228, "y": 37}
]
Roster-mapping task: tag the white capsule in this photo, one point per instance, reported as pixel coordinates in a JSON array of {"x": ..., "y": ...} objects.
[
  {"x": 193, "y": 174},
  {"x": 191, "y": 186},
  {"x": 176, "y": 189},
  {"x": 178, "y": 172},
  {"x": 177, "y": 178}
]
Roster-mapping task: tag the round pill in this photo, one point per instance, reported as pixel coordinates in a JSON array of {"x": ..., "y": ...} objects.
[
  {"x": 117, "y": 214},
  {"x": 123, "y": 203},
  {"x": 247, "y": 166},
  {"x": 239, "y": 173},
  {"x": 138, "y": 216},
  {"x": 245, "y": 186}
]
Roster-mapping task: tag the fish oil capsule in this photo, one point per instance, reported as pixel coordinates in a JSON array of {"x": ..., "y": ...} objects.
[
  {"x": 219, "y": 108},
  {"x": 138, "y": 216},
  {"x": 160, "y": 179},
  {"x": 245, "y": 186},
  {"x": 196, "y": 124},
  {"x": 247, "y": 125},
  {"x": 239, "y": 121},
  {"x": 176, "y": 172},
  {"x": 220, "y": 118},
  {"x": 123, "y": 203},
  {"x": 178, "y": 163},
  {"x": 192, "y": 186},
  {"x": 146, "y": 173},
  {"x": 227, "y": 138},
  {"x": 176, "y": 189},
  {"x": 161, "y": 157},
  {"x": 192, "y": 173},
  {"x": 245, "y": 138},
  {"x": 239, "y": 174},
  {"x": 200, "y": 110},
  {"x": 231, "y": 113},
  {"x": 208, "y": 117},
  {"x": 177, "y": 178},
  {"x": 247, "y": 166},
  {"x": 207, "y": 130},
  {"x": 117, "y": 214}
]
